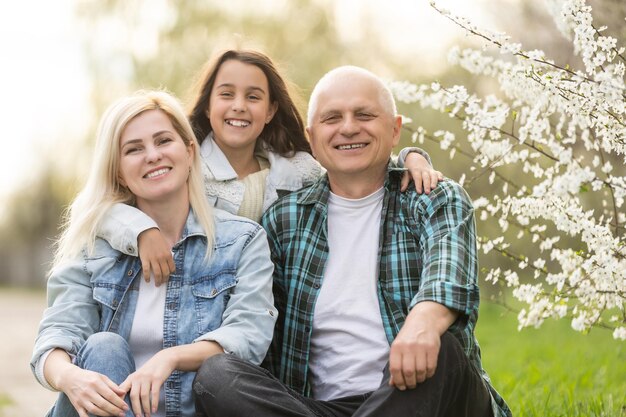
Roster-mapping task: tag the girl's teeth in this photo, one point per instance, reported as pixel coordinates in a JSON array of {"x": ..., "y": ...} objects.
[{"x": 237, "y": 123}]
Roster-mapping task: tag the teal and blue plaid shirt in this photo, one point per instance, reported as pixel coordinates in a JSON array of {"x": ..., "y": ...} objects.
[{"x": 427, "y": 251}]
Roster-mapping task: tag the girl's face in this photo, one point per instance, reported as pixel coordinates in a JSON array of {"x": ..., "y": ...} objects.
[
  {"x": 154, "y": 160},
  {"x": 239, "y": 106}
]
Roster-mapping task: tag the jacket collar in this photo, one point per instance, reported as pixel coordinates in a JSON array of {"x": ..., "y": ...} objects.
[
  {"x": 319, "y": 191},
  {"x": 215, "y": 160}
]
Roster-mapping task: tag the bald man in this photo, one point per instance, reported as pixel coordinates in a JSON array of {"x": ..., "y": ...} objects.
[{"x": 376, "y": 289}]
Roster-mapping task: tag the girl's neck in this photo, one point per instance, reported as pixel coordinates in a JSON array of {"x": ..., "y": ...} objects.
[
  {"x": 242, "y": 160},
  {"x": 169, "y": 215}
]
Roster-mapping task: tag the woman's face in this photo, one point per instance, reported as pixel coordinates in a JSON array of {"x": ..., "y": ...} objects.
[
  {"x": 239, "y": 106},
  {"x": 154, "y": 160}
]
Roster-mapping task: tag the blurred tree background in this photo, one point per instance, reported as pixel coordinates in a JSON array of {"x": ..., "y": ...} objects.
[{"x": 165, "y": 43}]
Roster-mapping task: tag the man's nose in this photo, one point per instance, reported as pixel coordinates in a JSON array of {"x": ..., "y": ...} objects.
[{"x": 349, "y": 126}]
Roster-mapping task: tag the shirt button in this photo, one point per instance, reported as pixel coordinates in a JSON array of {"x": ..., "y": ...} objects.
[
  {"x": 130, "y": 249},
  {"x": 307, "y": 329},
  {"x": 214, "y": 292},
  {"x": 316, "y": 286}
]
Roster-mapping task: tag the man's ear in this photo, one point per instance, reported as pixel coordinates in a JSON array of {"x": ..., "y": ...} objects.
[
  {"x": 311, "y": 140},
  {"x": 397, "y": 129}
]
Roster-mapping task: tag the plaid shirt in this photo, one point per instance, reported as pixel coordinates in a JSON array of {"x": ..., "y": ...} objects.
[{"x": 427, "y": 251}]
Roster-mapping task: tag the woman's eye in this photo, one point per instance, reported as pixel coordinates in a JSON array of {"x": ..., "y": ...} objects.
[
  {"x": 164, "y": 140},
  {"x": 129, "y": 151}
]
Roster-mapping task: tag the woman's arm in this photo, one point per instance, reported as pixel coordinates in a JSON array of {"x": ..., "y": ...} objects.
[
  {"x": 248, "y": 320},
  {"x": 145, "y": 384},
  {"x": 88, "y": 391}
]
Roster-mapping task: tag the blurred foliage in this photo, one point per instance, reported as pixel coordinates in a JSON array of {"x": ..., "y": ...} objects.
[{"x": 165, "y": 43}]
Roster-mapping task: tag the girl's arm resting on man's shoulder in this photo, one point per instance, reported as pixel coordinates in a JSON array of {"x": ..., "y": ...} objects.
[
  {"x": 121, "y": 227},
  {"x": 248, "y": 320}
]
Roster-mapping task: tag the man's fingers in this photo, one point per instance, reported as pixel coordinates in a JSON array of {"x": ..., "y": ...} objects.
[
  {"x": 409, "y": 371},
  {"x": 395, "y": 369}
]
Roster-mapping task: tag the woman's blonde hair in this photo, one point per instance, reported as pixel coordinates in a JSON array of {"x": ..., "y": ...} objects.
[{"x": 103, "y": 188}]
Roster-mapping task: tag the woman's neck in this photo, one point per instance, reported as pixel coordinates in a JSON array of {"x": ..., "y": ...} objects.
[{"x": 169, "y": 215}]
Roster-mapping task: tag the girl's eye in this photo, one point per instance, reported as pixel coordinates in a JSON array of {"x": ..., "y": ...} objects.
[
  {"x": 225, "y": 94},
  {"x": 254, "y": 97}
]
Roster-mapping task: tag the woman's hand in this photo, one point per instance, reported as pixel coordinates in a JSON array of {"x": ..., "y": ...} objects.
[
  {"x": 156, "y": 256},
  {"x": 145, "y": 383},
  {"x": 421, "y": 172},
  {"x": 92, "y": 393}
]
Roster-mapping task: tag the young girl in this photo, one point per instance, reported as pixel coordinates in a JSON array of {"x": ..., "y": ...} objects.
[
  {"x": 108, "y": 335},
  {"x": 254, "y": 150}
]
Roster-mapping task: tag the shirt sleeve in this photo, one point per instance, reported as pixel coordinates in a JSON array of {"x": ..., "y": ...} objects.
[
  {"x": 72, "y": 314},
  {"x": 122, "y": 225},
  {"x": 405, "y": 151},
  {"x": 448, "y": 238},
  {"x": 249, "y": 317}
]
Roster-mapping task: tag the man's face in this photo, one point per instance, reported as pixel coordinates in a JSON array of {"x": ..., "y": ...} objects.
[{"x": 351, "y": 132}]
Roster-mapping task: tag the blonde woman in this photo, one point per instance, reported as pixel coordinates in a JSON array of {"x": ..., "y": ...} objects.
[{"x": 115, "y": 344}]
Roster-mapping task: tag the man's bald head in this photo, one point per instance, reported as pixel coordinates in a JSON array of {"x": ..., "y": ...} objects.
[{"x": 340, "y": 74}]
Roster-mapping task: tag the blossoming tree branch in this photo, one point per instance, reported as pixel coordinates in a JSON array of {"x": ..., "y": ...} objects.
[{"x": 552, "y": 142}]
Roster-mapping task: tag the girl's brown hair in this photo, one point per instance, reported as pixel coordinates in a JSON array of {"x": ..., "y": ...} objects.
[{"x": 284, "y": 134}]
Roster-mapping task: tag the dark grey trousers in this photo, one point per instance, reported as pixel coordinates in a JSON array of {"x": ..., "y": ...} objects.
[{"x": 226, "y": 386}]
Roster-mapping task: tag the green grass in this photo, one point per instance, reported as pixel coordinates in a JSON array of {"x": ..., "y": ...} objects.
[{"x": 553, "y": 371}]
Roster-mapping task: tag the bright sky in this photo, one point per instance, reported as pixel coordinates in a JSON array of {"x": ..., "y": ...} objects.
[{"x": 46, "y": 86}]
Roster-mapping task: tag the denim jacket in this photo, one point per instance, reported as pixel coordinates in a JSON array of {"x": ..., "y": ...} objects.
[
  {"x": 122, "y": 224},
  {"x": 227, "y": 299}
]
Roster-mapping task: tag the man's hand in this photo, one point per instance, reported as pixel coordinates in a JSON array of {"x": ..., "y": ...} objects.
[
  {"x": 156, "y": 256},
  {"x": 414, "y": 352},
  {"x": 421, "y": 172}
]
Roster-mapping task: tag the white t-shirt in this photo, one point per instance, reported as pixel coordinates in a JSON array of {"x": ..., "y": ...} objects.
[
  {"x": 146, "y": 334},
  {"x": 349, "y": 348}
]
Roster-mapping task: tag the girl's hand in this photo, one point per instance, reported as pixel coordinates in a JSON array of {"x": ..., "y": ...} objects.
[
  {"x": 421, "y": 172},
  {"x": 145, "y": 383},
  {"x": 156, "y": 256},
  {"x": 93, "y": 393}
]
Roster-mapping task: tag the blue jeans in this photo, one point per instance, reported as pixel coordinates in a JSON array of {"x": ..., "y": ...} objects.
[{"x": 106, "y": 353}]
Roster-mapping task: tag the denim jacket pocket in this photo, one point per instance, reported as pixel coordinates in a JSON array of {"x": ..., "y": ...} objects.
[
  {"x": 211, "y": 296},
  {"x": 109, "y": 296}
]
